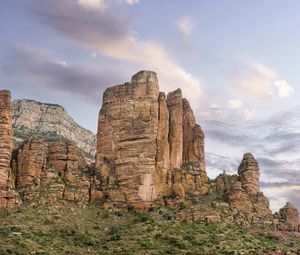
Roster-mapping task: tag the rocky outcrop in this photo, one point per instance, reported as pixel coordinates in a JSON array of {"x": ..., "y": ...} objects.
[
  {"x": 289, "y": 218},
  {"x": 29, "y": 164},
  {"x": 50, "y": 122},
  {"x": 243, "y": 190},
  {"x": 46, "y": 172},
  {"x": 249, "y": 174},
  {"x": 142, "y": 142},
  {"x": 150, "y": 151},
  {"x": 7, "y": 195}
]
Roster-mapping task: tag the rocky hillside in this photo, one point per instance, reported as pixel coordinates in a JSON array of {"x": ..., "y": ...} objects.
[
  {"x": 66, "y": 229},
  {"x": 150, "y": 157},
  {"x": 50, "y": 121}
]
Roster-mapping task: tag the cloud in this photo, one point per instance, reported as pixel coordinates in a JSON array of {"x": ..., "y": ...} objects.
[
  {"x": 261, "y": 83},
  {"x": 102, "y": 4},
  {"x": 109, "y": 34},
  {"x": 132, "y": 2},
  {"x": 235, "y": 104},
  {"x": 216, "y": 164},
  {"x": 93, "y": 4},
  {"x": 35, "y": 69},
  {"x": 283, "y": 88},
  {"x": 185, "y": 26}
]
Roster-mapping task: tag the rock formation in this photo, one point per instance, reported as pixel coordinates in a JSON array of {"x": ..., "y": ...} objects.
[
  {"x": 249, "y": 174},
  {"x": 143, "y": 140},
  {"x": 289, "y": 218},
  {"x": 7, "y": 196},
  {"x": 51, "y": 171},
  {"x": 150, "y": 151},
  {"x": 51, "y": 122},
  {"x": 243, "y": 189}
]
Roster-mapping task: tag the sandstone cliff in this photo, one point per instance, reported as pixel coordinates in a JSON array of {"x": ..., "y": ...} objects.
[
  {"x": 50, "y": 121},
  {"x": 46, "y": 172},
  {"x": 7, "y": 196},
  {"x": 150, "y": 152},
  {"x": 143, "y": 140}
]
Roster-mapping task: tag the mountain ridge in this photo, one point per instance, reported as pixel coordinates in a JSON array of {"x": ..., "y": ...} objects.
[{"x": 31, "y": 117}]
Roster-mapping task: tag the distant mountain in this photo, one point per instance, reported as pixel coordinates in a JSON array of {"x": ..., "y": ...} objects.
[{"x": 51, "y": 122}]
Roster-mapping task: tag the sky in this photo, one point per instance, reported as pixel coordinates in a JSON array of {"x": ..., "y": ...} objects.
[{"x": 237, "y": 62}]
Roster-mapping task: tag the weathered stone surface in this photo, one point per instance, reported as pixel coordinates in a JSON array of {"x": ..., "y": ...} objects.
[
  {"x": 163, "y": 179},
  {"x": 249, "y": 174},
  {"x": 243, "y": 190},
  {"x": 7, "y": 196},
  {"x": 174, "y": 102},
  {"x": 126, "y": 141},
  {"x": 193, "y": 137},
  {"x": 142, "y": 140},
  {"x": 50, "y": 171},
  {"x": 29, "y": 163},
  {"x": 224, "y": 183},
  {"x": 289, "y": 217},
  {"x": 50, "y": 120}
]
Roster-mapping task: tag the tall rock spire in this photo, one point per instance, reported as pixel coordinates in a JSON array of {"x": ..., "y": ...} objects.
[
  {"x": 6, "y": 147},
  {"x": 249, "y": 174},
  {"x": 143, "y": 140}
]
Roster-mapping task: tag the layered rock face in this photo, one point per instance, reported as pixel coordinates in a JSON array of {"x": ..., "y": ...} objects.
[
  {"x": 7, "y": 196},
  {"x": 143, "y": 140},
  {"x": 47, "y": 172},
  {"x": 249, "y": 174},
  {"x": 289, "y": 218},
  {"x": 243, "y": 189},
  {"x": 52, "y": 122}
]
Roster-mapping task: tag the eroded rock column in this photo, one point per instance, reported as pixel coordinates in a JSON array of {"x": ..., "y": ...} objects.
[
  {"x": 126, "y": 140},
  {"x": 249, "y": 174},
  {"x": 175, "y": 107},
  {"x": 193, "y": 137},
  {"x": 163, "y": 147},
  {"x": 6, "y": 147}
]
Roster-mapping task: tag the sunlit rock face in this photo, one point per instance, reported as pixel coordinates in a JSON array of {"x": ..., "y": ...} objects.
[
  {"x": 249, "y": 173},
  {"x": 7, "y": 195},
  {"x": 243, "y": 189},
  {"x": 143, "y": 140},
  {"x": 289, "y": 218},
  {"x": 46, "y": 172},
  {"x": 50, "y": 121}
]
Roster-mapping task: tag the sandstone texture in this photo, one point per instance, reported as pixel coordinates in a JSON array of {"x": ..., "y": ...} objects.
[
  {"x": 150, "y": 152},
  {"x": 144, "y": 138},
  {"x": 249, "y": 174},
  {"x": 243, "y": 190},
  {"x": 46, "y": 172},
  {"x": 51, "y": 122},
  {"x": 289, "y": 218},
  {"x": 7, "y": 196}
]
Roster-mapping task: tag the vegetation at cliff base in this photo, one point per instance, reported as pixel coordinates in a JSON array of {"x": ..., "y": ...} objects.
[{"x": 68, "y": 229}]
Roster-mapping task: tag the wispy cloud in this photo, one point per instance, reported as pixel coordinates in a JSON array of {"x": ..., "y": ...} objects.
[
  {"x": 103, "y": 4},
  {"x": 35, "y": 67},
  {"x": 109, "y": 34},
  {"x": 93, "y": 4},
  {"x": 261, "y": 83},
  {"x": 185, "y": 26}
]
